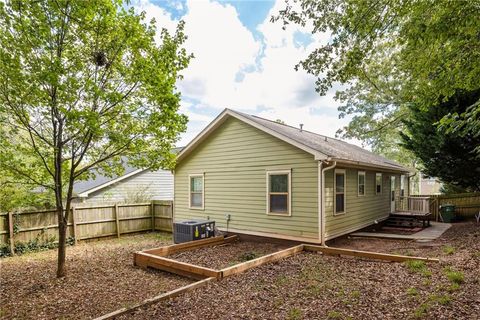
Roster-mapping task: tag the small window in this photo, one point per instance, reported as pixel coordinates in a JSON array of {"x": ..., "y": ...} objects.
[
  {"x": 339, "y": 192},
  {"x": 378, "y": 183},
  {"x": 402, "y": 186},
  {"x": 278, "y": 192},
  {"x": 361, "y": 183},
  {"x": 196, "y": 191}
]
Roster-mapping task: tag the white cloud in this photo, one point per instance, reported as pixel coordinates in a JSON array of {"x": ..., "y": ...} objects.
[
  {"x": 234, "y": 69},
  {"x": 163, "y": 18},
  {"x": 222, "y": 46}
]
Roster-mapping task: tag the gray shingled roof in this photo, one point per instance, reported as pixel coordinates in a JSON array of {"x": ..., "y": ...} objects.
[
  {"x": 334, "y": 148},
  {"x": 82, "y": 186}
]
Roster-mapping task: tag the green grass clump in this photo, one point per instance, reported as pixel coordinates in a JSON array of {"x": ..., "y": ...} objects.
[
  {"x": 421, "y": 311},
  {"x": 453, "y": 287},
  {"x": 443, "y": 300},
  {"x": 456, "y": 277},
  {"x": 412, "y": 292},
  {"x": 448, "y": 250},
  {"x": 295, "y": 314},
  {"x": 415, "y": 265},
  {"x": 418, "y": 267},
  {"x": 355, "y": 294},
  {"x": 334, "y": 315}
]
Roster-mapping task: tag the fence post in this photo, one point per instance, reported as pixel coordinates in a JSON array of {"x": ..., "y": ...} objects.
[
  {"x": 10, "y": 232},
  {"x": 74, "y": 222},
  {"x": 117, "y": 222},
  {"x": 171, "y": 215},
  {"x": 152, "y": 209}
]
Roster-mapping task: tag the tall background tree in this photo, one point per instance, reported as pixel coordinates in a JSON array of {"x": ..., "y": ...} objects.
[
  {"x": 83, "y": 85},
  {"x": 446, "y": 154},
  {"x": 392, "y": 55}
]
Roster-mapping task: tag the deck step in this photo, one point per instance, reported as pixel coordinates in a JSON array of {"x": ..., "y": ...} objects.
[{"x": 401, "y": 221}]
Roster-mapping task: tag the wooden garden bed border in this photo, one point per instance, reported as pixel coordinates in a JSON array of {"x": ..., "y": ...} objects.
[
  {"x": 366, "y": 254},
  {"x": 156, "y": 258},
  {"x": 160, "y": 297}
]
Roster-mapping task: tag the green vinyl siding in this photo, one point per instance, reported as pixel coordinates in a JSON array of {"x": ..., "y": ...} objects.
[
  {"x": 360, "y": 210},
  {"x": 235, "y": 159}
]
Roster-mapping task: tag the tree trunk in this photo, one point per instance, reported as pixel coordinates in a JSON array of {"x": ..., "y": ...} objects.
[{"x": 62, "y": 243}]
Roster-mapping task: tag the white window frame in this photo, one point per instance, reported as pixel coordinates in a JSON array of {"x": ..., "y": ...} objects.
[
  {"x": 196, "y": 175},
  {"x": 364, "y": 174},
  {"x": 344, "y": 172},
  {"x": 379, "y": 174},
  {"x": 289, "y": 197}
]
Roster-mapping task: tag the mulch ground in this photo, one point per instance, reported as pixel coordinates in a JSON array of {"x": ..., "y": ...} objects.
[
  {"x": 225, "y": 255},
  {"x": 100, "y": 278},
  {"x": 315, "y": 286}
]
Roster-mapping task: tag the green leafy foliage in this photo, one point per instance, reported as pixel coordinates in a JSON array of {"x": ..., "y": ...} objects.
[
  {"x": 84, "y": 88},
  {"x": 444, "y": 154},
  {"x": 389, "y": 55}
]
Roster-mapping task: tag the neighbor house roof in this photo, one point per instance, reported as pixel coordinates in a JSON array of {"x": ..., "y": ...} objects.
[
  {"x": 84, "y": 188},
  {"x": 320, "y": 146}
]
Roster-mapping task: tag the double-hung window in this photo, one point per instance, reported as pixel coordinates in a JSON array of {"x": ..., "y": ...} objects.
[
  {"x": 196, "y": 194},
  {"x": 378, "y": 183},
  {"x": 279, "y": 193},
  {"x": 340, "y": 198},
  {"x": 361, "y": 183}
]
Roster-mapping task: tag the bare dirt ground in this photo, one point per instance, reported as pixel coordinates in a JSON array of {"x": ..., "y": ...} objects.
[
  {"x": 100, "y": 278},
  {"x": 314, "y": 286},
  {"x": 225, "y": 255}
]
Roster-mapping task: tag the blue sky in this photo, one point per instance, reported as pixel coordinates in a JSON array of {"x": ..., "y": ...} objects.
[{"x": 245, "y": 62}]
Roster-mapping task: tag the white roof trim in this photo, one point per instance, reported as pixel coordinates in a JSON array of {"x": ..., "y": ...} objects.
[
  {"x": 370, "y": 165},
  {"x": 85, "y": 193},
  {"x": 223, "y": 116}
]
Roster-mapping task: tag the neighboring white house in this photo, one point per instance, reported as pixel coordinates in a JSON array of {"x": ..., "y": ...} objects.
[{"x": 135, "y": 185}]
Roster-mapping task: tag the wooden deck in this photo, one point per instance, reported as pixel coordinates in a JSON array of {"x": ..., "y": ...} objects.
[{"x": 412, "y": 208}]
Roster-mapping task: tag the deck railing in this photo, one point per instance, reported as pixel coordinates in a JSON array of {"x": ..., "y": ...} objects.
[{"x": 413, "y": 204}]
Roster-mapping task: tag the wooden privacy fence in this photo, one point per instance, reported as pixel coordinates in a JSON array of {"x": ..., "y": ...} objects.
[
  {"x": 87, "y": 222},
  {"x": 466, "y": 204}
]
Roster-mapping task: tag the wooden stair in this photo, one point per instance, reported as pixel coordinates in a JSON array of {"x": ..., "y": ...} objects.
[{"x": 402, "y": 222}]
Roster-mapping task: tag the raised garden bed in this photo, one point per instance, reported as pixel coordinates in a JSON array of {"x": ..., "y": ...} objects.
[
  {"x": 315, "y": 286},
  {"x": 228, "y": 254}
]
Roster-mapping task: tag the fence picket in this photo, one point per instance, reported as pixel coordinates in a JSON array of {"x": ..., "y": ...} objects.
[{"x": 91, "y": 222}]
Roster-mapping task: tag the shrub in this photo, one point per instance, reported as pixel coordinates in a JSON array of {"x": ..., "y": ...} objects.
[{"x": 5, "y": 250}]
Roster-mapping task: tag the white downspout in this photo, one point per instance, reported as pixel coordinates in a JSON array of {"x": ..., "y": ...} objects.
[
  {"x": 319, "y": 201},
  {"x": 322, "y": 213}
]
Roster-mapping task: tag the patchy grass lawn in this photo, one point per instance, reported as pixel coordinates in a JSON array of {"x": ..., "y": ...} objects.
[
  {"x": 100, "y": 278},
  {"x": 313, "y": 286}
]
